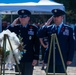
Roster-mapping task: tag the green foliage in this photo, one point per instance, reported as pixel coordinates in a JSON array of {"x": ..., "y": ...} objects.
[
  {"x": 8, "y": 17},
  {"x": 70, "y": 8},
  {"x": 21, "y": 46},
  {"x": 39, "y": 18},
  {"x": 7, "y": 53}
]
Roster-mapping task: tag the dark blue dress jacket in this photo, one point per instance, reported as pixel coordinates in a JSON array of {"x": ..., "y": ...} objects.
[
  {"x": 30, "y": 41},
  {"x": 66, "y": 42}
]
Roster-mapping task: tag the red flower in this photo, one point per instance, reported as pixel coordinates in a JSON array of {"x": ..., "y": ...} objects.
[
  {"x": 62, "y": 29},
  {"x": 31, "y": 27}
]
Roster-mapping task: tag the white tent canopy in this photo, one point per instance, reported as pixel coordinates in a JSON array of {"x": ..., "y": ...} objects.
[{"x": 43, "y": 6}]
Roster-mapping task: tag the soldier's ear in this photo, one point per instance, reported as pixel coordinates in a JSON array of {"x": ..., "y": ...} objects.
[
  {"x": 28, "y": 18},
  {"x": 63, "y": 16}
]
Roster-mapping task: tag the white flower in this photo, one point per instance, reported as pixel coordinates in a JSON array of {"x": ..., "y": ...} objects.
[
  {"x": 15, "y": 42},
  {"x": 12, "y": 37}
]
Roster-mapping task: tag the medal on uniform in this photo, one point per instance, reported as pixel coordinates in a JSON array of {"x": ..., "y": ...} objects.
[
  {"x": 30, "y": 37},
  {"x": 66, "y": 32}
]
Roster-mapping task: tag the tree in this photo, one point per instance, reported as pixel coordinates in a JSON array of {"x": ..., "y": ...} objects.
[
  {"x": 70, "y": 7},
  {"x": 8, "y": 17}
]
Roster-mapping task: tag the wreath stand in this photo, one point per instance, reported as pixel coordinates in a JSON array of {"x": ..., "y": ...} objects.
[
  {"x": 2, "y": 62},
  {"x": 54, "y": 40}
]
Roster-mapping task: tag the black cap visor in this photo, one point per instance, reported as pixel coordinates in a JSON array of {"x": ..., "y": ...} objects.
[{"x": 23, "y": 16}]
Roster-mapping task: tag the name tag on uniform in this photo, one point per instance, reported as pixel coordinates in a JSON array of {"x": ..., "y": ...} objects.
[
  {"x": 30, "y": 37},
  {"x": 31, "y": 32}
]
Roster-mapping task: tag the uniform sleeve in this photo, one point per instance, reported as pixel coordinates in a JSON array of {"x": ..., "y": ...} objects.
[
  {"x": 75, "y": 38},
  {"x": 42, "y": 32},
  {"x": 36, "y": 46},
  {"x": 71, "y": 45},
  {"x": 75, "y": 31},
  {"x": 14, "y": 29},
  {"x": 10, "y": 28}
]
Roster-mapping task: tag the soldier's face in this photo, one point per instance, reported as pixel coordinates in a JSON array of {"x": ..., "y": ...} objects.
[
  {"x": 58, "y": 20},
  {"x": 24, "y": 20}
]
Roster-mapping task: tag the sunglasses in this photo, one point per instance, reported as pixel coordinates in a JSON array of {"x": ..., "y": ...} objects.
[{"x": 23, "y": 16}]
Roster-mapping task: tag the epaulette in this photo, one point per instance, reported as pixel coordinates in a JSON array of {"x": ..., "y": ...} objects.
[
  {"x": 44, "y": 26},
  {"x": 50, "y": 26},
  {"x": 67, "y": 25},
  {"x": 33, "y": 25},
  {"x": 17, "y": 25}
]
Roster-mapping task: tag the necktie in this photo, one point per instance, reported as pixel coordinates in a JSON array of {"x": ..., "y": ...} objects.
[{"x": 57, "y": 29}]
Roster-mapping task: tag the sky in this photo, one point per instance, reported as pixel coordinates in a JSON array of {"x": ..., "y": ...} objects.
[{"x": 18, "y": 1}]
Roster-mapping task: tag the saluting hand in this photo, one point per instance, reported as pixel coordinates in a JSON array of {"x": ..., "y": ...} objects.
[
  {"x": 69, "y": 62},
  {"x": 49, "y": 21},
  {"x": 15, "y": 21},
  {"x": 45, "y": 46},
  {"x": 34, "y": 62}
]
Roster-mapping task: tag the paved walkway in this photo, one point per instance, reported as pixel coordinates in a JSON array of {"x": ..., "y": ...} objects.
[{"x": 38, "y": 71}]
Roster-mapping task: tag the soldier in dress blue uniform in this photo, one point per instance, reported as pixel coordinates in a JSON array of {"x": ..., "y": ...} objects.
[
  {"x": 65, "y": 38},
  {"x": 28, "y": 33},
  {"x": 45, "y": 41}
]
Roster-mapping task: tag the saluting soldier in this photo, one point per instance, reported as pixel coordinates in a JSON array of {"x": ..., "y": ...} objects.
[
  {"x": 65, "y": 37},
  {"x": 28, "y": 33}
]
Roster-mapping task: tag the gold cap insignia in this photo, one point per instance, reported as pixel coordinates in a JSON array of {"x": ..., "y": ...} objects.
[
  {"x": 22, "y": 11},
  {"x": 55, "y": 10}
]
